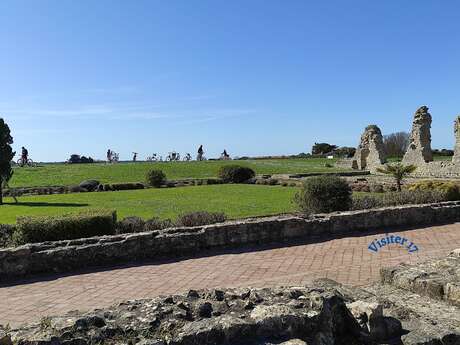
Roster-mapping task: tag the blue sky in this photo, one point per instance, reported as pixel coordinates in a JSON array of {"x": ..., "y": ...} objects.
[{"x": 255, "y": 77}]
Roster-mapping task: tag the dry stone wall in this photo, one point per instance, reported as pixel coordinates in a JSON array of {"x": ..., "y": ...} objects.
[{"x": 65, "y": 256}]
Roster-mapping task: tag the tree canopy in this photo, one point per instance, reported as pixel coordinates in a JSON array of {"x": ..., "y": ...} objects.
[{"x": 6, "y": 155}]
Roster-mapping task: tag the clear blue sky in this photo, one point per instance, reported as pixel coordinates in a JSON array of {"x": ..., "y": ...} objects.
[{"x": 253, "y": 76}]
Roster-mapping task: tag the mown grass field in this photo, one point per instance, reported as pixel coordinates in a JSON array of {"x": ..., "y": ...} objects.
[
  {"x": 236, "y": 201},
  {"x": 68, "y": 174}
]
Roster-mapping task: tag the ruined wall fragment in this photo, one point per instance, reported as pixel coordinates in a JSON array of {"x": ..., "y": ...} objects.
[
  {"x": 370, "y": 153},
  {"x": 419, "y": 149},
  {"x": 456, "y": 157}
]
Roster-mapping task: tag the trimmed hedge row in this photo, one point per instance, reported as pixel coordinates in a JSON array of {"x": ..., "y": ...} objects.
[{"x": 65, "y": 227}]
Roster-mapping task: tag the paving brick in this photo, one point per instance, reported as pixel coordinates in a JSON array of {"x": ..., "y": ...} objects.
[{"x": 346, "y": 260}]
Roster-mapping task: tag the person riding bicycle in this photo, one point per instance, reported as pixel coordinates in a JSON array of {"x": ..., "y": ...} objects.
[
  {"x": 109, "y": 156},
  {"x": 200, "y": 153},
  {"x": 24, "y": 156}
]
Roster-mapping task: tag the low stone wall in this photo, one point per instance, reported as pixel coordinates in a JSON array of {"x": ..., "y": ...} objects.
[
  {"x": 437, "y": 169},
  {"x": 64, "y": 256}
]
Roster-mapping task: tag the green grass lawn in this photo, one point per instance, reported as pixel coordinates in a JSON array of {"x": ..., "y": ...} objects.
[
  {"x": 236, "y": 201},
  {"x": 67, "y": 174}
]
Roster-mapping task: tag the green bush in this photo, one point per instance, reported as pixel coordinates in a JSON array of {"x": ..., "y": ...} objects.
[
  {"x": 200, "y": 218},
  {"x": 323, "y": 194},
  {"x": 33, "y": 229},
  {"x": 450, "y": 189},
  {"x": 405, "y": 197},
  {"x": 156, "y": 178},
  {"x": 158, "y": 224},
  {"x": 130, "y": 225},
  {"x": 6, "y": 233},
  {"x": 235, "y": 173}
]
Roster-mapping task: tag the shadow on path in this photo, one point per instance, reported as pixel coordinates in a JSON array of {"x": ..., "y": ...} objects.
[{"x": 211, "y": 252}]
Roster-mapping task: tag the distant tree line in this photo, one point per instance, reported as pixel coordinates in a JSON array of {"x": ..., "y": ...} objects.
[
  {"x": 77, "y": 159},
  {"x": 323, "y": 149}
]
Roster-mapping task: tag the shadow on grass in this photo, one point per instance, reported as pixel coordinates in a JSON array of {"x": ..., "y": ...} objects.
[{"x": 45, "y": 204}]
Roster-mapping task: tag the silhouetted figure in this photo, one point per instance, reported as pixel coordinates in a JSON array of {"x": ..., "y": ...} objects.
[
  {"x": 24, "y": 156},
  {"x": 200, "y": 153},
  {"x": 109, "y": 156}
]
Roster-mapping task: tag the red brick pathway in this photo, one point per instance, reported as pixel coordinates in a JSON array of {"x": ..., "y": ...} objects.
[{"x": 346, "y": 260}]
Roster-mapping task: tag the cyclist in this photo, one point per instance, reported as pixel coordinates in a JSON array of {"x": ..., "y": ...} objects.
[
  {"x": 109, "y": 156},
  {"x": 24, "y": 156},
  {"x": 200, "y": 153}
]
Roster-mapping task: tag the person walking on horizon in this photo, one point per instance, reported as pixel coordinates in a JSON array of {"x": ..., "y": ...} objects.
[{"x": 134, "y": 156}]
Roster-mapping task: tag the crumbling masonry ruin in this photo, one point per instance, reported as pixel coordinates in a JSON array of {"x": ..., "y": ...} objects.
[{"x": 370, "y": 153}]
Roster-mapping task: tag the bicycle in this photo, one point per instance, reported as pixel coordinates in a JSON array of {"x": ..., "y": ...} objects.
[
  {"x": 173, "y": 157},
  {"x": 187, "y": 157},
  {"x": 153, "y": 158},
  {"x": 29, "y": 162}
]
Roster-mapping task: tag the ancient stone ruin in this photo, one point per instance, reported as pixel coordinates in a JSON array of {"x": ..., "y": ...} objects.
[
  {"x": 456, "y": 157},
  {"x": 419, "y": 149},
  {"x": 370, "y": 153}
]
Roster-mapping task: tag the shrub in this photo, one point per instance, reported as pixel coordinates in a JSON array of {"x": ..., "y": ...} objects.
[
  {"x": 366, "y": 202},
  {"x": 157, "y": 224},
  {"x": 130, "y": 225},
  {"x": 200, "y": 218},
  {"x": 6, "y": 233},
  {"x": 323, "y": 194},
  {"x": 405, "y": 197},
  {"x": 451, "y": 190},
  {"x": 236, "y": 173},
  {"x": 32, "y": 229},
  {"x": 156, "y": 178},
  {"x": 376, "y": 188}
]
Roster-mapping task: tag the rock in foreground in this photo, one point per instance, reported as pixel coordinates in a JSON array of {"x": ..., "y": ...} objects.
[{"x": 323, "y": 313}]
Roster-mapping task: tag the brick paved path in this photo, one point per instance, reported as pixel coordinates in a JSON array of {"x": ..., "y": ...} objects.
[{"x": 346, "y": 260}]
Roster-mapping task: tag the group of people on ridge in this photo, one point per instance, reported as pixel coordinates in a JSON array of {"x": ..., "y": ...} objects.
[{"x": 200, "y": 157}]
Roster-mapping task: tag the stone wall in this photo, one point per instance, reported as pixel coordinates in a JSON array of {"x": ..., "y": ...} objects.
[{"x": 65, "y": 256}]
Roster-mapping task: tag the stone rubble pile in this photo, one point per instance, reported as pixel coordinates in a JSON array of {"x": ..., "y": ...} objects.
[{"x": 414, "y": 305}]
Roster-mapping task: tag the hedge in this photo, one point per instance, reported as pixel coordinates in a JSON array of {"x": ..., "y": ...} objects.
[
  {"x": 235, "y": 173},
  {"x": 33, "y": 229}
]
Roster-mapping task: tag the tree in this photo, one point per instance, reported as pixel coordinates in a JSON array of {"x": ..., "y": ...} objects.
[
  {"x": 345, "y": 151},
  {"x": 395, "y": 144},
  {"x": 398, "y": 171},
  {"x": 322, "y": 148},
  {"x": 6, "y": 155}
]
